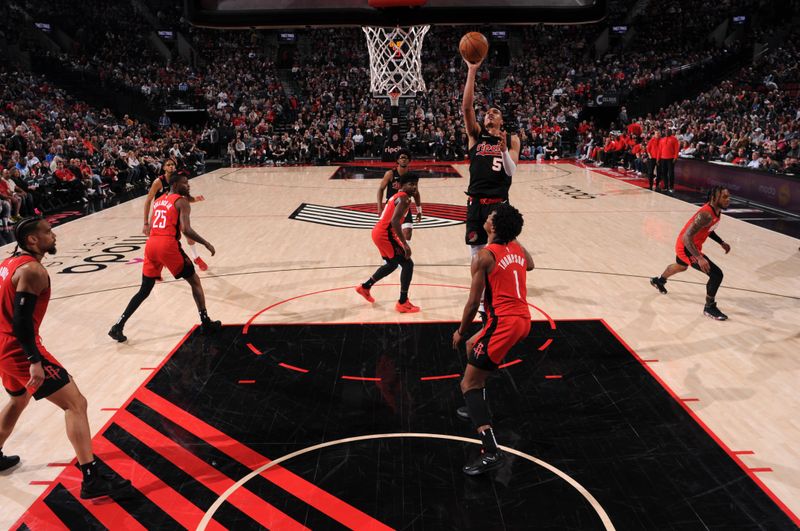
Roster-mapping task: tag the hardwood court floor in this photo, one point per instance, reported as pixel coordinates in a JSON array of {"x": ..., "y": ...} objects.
[{"x": 595, "y": 241}]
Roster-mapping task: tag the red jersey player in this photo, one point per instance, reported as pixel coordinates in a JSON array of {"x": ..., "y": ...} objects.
[
  {"x": 388, "y": 237},
  {"x": 161, "y": 187},
  {"x": 689, "y": 249},
  {"x": 163, "y": 249},
  {"x": 27, "y": 368},
  {"x": 500, "y": 269},
  {"x": 391, "y": 183}
]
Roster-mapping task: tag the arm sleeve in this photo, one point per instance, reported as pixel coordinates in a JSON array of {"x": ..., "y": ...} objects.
[
  {"x": 713, "y": 236},
  {"x": 508, "y": 164},
  {"x": 24, "y": 304}
]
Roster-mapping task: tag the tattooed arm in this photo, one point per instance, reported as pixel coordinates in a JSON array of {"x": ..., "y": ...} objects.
[{"x": 701, "y": 221}]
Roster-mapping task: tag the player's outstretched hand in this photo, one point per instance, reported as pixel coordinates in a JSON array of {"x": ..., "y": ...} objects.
[
  {"x": 703, "y": 264},
  {"x": 199, "y": 198},
  {"x": 146, "y": 229},
  {"x": 726, "y": 247},
  {"x": 473, "y": 66},
  {"x": 211, "y": 249}
]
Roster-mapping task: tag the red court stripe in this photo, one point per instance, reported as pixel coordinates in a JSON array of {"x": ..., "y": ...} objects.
[
  {"x": 308, "y": 492},
  {"x": 106, "y": 511},
  {"x": 247, "y": 381},
  {"x": 546, "y": 344},
  {"x": 42, "y": 482},
  {"x": 39, "y": 501},
  {"x": 247, "y": 502},
  {"x": 40, "y": 516},
  {"x": 689, "y": 399},
  {"x": 167, "y": 499},
  {"x": 509, "y": 364},
  {"x": 253, "y": 348},
  {"x": 361, "y": 378},
  {"x": 292, "y": 367},
  {"x": 443, "y": 377},
  {"x": 649, "y": 361},
  {"x": 764, "y": 469},
  {"x": 744, "y": 452},
  {"x": 553, "y": 376}
]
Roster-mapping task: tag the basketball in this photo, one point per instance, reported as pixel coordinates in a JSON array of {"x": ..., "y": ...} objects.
[{"x": 473, "y": 47}]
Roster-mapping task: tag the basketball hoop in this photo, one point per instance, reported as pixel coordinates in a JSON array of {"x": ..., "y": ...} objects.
[{"x": 395, "y": 60}]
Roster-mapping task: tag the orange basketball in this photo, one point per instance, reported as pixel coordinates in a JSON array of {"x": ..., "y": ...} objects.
[{"x": 473, "y": 47}]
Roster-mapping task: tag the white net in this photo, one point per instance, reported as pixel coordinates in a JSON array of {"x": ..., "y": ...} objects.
[{"x": 395, "y": 59}]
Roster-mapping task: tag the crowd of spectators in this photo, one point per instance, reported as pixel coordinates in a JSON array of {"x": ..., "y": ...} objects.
[
  {"x": 751, "y": 119},
  {"x": 55, "y": 149},
  {"x": 321, "y": 110}
]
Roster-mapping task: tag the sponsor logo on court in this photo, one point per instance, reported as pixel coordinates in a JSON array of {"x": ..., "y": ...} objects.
[
  {"x": 364, "y": 216},
  {"x": 97, "y": 254},
  {"x": 565, "y": 191}
]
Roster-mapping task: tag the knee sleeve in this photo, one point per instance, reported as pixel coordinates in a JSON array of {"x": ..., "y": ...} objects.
[
  {"x": 714, "y": 281},
  {"x": 408, "y": 271},
  {"x": 477, "y": 407}
]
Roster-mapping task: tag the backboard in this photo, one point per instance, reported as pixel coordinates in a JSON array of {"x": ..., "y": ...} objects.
[{"x": 333, "y": 13}]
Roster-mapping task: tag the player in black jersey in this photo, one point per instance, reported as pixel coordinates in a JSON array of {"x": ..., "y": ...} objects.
[
  {"x": 161, "y": 187},
  {"x": 391, "y": 183},
  {"x": 493, "y": 156}
]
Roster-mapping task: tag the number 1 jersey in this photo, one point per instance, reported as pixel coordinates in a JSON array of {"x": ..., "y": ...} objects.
[{"x": 506, "y": 293}]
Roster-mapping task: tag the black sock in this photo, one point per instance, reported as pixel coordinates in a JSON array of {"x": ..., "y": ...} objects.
[
  {"x": 710, "y": 301},
  {"x": 488, "y": 441},
  {"x": 89, "y": 470},
  {"x": 204, "y": 316},
  {"x": 369, "y": 283},
  {"x": 662, "y": 279},
  {"x": 403, "y": 297}
]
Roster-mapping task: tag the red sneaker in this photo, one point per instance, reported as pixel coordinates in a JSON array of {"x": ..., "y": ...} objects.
[
  {"x": 361, "y": 290},
  {"x": 406, "y": 307},
  {"x": 201, "y": 264}
]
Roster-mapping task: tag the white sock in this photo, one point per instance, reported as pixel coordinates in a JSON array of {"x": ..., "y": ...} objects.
[{"x": 193, "y": 251}]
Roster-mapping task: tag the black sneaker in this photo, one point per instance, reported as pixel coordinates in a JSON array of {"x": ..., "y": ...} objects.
[
  {"x": 712, "y": 311},
  {"x": 116, "y": 333},
  {"x": 484, "y": 463},
  {"x": 8, "y": 461},
  {"x": 210, "y": 327},
  {"x": 104, "y": 485},
  {"x": 659, "y": 284}
]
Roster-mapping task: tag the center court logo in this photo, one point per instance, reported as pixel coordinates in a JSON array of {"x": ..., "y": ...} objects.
[{"x": 365, "y": 215}]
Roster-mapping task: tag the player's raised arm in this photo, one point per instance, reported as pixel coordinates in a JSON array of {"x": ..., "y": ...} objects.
[{"x": 468, "y": 104}]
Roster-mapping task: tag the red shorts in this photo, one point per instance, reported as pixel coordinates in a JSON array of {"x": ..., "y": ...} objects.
[
  {"x": 166, "y": 252},
  {"x": 496, "y": 339},
  {"x": 15, "y": 369},
  {"x": 387, "y": 243}
]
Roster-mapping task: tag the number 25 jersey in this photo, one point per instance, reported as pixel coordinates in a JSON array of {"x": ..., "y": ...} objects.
[{"x": 165, "y": 218}]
